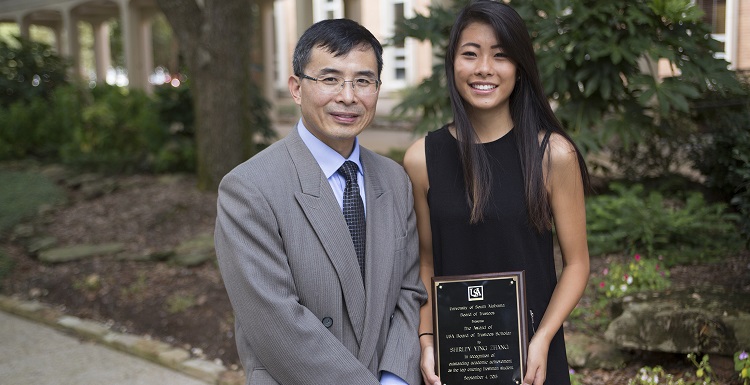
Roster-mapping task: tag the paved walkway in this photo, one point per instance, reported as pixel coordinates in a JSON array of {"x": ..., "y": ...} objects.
[{"x": 32, "y": 353}]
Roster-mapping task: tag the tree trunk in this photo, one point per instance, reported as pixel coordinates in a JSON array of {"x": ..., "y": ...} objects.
[{"x": 215, "y": 40}]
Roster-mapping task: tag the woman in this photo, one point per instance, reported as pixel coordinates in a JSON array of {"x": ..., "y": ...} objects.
[{"x": 489, "y": 186}]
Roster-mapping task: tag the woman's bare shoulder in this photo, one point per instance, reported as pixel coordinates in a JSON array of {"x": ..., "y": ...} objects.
[{"x": 559, "y": 149}]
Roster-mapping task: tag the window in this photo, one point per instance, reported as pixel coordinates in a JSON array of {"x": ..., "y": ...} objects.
[
  {"x": 715, "y": 14},
  {"x": 398, "y": 63},
  {"x": 399, "y": 55},
  {"x": 327, "y": 9}
]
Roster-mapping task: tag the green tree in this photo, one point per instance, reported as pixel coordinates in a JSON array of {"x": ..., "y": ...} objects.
[
  {"x": 429, "y": 99},
  {"x": 598, "y": 63}
]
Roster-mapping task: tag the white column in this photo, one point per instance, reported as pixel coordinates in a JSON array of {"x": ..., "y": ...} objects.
[
  {"x": 284, "y": 46},
  {"x": 322, "y": 9},
  {"x": 146, "y": 50},
  {"x": 128, "y": 22},
  {"x": 24, "y": 26},
  {"x": 68, "y": 42},
  {"x": 732, "y": 33},
  {"x": 423, "y": 57},
  {"x": 304, "y": 16},
  {"x": 137, "y": 43},
  {"x": 102, "y": 51},
  {"x": 353, "y": 10},
  {"x": 60, "y": 36}
]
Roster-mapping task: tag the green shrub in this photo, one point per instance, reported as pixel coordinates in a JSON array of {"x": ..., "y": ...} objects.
[
  {"x": 17, "y": 138},
  {"x": 107, "y": 128},
  {"x": 682, "y": 231},
  {"x": 118, "y": 130},
  {"x": 722, "y": 153},
  {"x": 39, "y": 127},
  {"x": 28, "y": 70},
  {"x": 175, "y": 109}
]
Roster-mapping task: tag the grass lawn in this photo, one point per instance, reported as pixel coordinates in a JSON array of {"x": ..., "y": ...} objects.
[{"x": 21, "y": 196}]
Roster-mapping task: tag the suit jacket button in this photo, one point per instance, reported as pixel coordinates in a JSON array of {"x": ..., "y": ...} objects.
[{"x": 327, "y": 322}]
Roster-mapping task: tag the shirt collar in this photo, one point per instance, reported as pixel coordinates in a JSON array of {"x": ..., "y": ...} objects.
[{"x": 328, "y": 159}]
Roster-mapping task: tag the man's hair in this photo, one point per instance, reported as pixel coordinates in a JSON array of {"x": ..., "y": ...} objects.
[{"x": 337, "y": 36}]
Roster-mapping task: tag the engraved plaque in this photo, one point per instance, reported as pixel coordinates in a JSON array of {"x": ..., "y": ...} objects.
[{"x": 480, "y": 328}]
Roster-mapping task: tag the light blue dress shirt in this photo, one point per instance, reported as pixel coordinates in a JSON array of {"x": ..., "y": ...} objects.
[{"x": 329, "y": 161}]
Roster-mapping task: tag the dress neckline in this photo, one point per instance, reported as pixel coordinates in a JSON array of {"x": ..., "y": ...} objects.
[{"x": 508, "y": 135}]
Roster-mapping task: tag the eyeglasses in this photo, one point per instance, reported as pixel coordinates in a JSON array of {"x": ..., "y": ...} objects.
[{"x": 334, "y": 84}]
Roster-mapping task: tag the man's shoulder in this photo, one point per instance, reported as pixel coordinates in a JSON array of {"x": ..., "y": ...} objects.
[{"x": 270, "y": 160}]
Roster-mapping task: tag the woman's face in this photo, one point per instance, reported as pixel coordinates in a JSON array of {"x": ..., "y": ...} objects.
[{"x": 483, "y": 74}]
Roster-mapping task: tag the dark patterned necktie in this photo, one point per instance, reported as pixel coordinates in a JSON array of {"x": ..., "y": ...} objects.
[{"x": 354, "y": 211}]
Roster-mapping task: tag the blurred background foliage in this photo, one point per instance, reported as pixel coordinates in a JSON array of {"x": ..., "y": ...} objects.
[
  {"x": 104, "y": 128},
  {"x": 661, "y": 139},
  {"x": 25, "y": 63}
]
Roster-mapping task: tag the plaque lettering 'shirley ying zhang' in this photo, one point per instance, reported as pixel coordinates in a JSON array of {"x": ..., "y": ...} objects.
[{"x": 480, "y": 328}]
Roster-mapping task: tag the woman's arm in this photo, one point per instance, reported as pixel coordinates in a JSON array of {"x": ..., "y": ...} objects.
[
  {"x": 566, "y": 194},
  {"x": 415, "y": 163}
]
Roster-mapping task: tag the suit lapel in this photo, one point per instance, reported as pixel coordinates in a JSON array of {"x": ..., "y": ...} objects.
[
  {"x": 378, "y": 253},
  {"x": 324, "y": 215}
]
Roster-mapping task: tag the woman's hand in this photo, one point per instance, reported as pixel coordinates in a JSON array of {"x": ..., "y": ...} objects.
[
  {"x": 536, "y": 363},
  {"x": 428, "y": 365}
]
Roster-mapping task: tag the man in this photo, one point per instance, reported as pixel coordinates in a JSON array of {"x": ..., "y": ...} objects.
[{"x": 320, "y": 298}]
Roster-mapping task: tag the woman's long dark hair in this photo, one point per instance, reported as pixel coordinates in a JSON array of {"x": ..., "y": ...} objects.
[{"x": 529, "y": 109}]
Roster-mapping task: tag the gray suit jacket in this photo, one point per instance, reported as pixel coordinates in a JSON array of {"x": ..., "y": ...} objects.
[{"x": 302, "y": 313}]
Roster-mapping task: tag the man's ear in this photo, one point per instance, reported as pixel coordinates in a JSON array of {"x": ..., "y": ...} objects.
[{"x": 295, "y": 89}]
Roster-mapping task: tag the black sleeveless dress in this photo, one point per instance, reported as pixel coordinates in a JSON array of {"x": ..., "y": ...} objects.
[{"x": 504, "y": 241}]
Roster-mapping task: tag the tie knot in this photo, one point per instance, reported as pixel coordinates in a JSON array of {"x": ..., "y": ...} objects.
[{"x": 349, "y": 171}]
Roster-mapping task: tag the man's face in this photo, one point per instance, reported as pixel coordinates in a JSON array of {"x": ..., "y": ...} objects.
[{"x": 336, "y": 118}]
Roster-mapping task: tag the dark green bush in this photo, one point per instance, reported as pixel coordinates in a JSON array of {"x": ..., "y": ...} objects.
[
  {"x": 40, "y": 126},
  {"x": 175, "y": 108},
  {"x": 118, "y": 129},
  {"x": 722, "y": 152},
  {"x": 104, "y": 129},
  {"x": 107, "y": 128},
  {"x": 35, "y": 115},
  {"x": 28, "y": 70},
  {"x": 631, "y": 220}
]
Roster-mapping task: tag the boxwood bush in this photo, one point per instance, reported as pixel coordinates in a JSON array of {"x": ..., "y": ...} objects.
[{"x": 632, "y": 220}]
